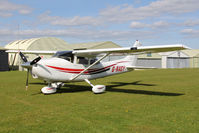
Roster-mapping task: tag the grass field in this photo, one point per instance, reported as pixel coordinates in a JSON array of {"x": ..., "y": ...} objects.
[{"x": 147, "y": 101}]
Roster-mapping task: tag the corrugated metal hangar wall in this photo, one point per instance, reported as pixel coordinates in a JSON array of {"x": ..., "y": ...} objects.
[
  {"x": 175, "y": 59},
  {"x": 157, "y": 63},
  {"x": 175, "y": 62}
]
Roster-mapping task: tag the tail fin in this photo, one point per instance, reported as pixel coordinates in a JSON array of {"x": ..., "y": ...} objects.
[
  {"x": 132, "y": 60},
  {"x": 133, "y": 63},
  {"x": 137, "y": 44}
]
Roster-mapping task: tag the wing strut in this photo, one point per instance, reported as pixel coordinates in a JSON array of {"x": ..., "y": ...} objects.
[{"x": 90, "y": 66}]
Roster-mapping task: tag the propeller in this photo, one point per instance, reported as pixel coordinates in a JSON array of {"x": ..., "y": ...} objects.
[
  {"x": 31, "y": 63},
  {"x": 23, "y": 57},
  {"x": 35, "y": 60}
]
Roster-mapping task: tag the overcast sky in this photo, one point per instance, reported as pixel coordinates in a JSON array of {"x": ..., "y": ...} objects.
[{"x": 152, "y": 22}]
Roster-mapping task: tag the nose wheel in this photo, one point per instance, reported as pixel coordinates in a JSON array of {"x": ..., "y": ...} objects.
[
  {"x": 52, "y": 88},
  {"x": 48, "y": 90}
]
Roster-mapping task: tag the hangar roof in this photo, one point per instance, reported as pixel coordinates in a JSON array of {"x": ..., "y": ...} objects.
[
  {"x": 188, "y": 52},
  {"x": 192, "y": 52},
  {"x": 44, "y": 43},
  {"x": 52, "y": 43},
  {"x": 94, "y": 45},
  {"x": 184, "y": 53},
  {"x": 2, "y": 48}
]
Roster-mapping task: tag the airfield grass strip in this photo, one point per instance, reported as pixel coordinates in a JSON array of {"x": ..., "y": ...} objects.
[{"x": 145, "y": 101}]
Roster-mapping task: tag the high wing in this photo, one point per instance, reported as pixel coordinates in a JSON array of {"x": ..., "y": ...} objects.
[
  {"x": 132, "y": 50},
  {"x": 32, "y": 52},
  {"x": 96, "y": 52}
]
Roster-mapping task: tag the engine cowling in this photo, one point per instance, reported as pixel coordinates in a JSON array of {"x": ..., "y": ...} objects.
[{"x": 98, "y": 89}]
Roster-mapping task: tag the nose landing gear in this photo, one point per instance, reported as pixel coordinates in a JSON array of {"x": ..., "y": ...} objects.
[
  {"x": 48, "y": 90},
  {"x": 51, "y": 88}
]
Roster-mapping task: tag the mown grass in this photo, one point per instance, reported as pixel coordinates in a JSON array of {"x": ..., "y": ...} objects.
[{"x": 147, "y": 101}]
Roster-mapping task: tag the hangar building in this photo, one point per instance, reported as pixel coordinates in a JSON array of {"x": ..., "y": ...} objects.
[
  {"x": 3, "y": 60},
  {"x": 94, "y": 45},
  {"x": 49, "y": 44},
  {"x": 46, "y": 43},
  {"x": 193, "y": 57},
  {"x": 175, "y": 59},
  {"x": 150, "y": 60}
]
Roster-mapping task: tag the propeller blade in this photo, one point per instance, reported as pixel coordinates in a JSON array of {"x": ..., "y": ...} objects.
[
  {"x": 35, "y": 60},
  {"x": 23, "y": 57},
  {"x": 27, "y": 79}
]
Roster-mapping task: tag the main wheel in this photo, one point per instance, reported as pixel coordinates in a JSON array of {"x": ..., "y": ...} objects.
[{"x": 97, "y": 89}]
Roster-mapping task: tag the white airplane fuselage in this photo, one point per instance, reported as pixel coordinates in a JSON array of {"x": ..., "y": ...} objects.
[{"x": 60, "y": 70}]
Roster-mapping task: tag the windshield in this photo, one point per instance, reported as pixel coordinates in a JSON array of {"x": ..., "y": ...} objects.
[{"x": 67, "y": 55}]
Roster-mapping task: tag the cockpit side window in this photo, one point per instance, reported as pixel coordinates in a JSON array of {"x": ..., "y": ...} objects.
[
  {"x": 93, "y": 60},
  {"x": 86, "y": 61},
  {"x": 82, "y": 60}
]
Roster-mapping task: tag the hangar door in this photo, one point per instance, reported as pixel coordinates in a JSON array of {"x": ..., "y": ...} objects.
[
  {"x": 3, "y": 61},
  {"x": 195, "y": 62},
  {"x": 176, "y": 62},
  {"x": 149, "y": 62}
]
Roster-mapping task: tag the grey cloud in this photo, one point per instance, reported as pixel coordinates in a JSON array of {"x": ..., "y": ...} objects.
[
  {"x": 193, "y": 33},
  {"x": 157, "y": 24},
  {"x": 125, "y": 13},
  {"x": 154, "y": 9},
  {"x": 7, "y": 8},
  {"x": 74, "y": 21},
  {"x": 191, "y": 23},
  {"x": 80, "y": 34}
]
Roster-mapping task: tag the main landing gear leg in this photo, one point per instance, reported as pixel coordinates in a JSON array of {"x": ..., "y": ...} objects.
[
  {"x": 96, "y": 88},
  {"x": 57, "y": 85}
]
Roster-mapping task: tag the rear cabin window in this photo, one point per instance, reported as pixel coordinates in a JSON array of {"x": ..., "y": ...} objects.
[{"x": 86, "y": 61}]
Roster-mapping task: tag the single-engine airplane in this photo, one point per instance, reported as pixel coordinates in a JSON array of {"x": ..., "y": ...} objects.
[{"x": 82, "y": 65}]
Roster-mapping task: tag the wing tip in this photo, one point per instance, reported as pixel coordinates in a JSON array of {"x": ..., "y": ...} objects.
[{"x": 186, "y": 47}]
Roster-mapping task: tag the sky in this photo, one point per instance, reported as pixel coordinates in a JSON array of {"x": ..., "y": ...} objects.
[{"x": 152, "y": 22}]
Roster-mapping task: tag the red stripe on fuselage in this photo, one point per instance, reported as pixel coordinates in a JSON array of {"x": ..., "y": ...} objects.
[{"x": 77, "y": 71}]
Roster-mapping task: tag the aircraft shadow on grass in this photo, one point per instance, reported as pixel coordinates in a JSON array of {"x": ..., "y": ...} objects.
[{"x": 70, "y": 88}]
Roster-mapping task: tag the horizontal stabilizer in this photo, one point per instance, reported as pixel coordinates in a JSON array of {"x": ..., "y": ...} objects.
[{"x": 139, "y": 67}]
